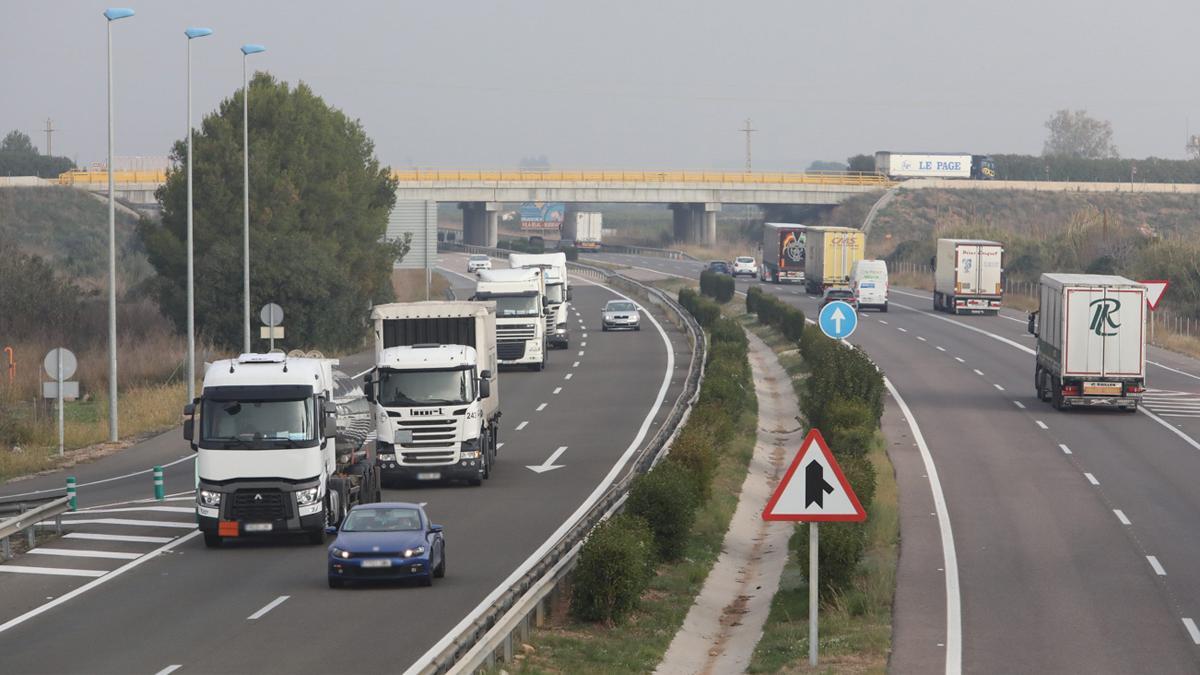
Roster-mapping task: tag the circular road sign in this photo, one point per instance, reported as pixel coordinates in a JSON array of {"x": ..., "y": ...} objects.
[
  {"x": 838, "y": 320},
  {"x": 271, "y": 314},
  {"x": 68, "y": 363}
]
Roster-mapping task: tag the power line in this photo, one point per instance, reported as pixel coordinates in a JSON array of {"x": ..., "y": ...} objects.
[{"x": 49, "y": 134}]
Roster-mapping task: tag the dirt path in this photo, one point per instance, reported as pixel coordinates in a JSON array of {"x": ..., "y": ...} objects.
[{"x": 725, "y": 623}]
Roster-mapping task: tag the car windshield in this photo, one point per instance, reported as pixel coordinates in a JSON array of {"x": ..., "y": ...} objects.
[
  {"x": 479, "y": 258},
  {"x": 516, "y": 305},
  {"x": 253, "y": 425},
  {"x": 554, "y": 293},
  {"x": 425, "y": 387},
  {"x": 382, "y": 520},
  {"x": 619, "y": 307}
]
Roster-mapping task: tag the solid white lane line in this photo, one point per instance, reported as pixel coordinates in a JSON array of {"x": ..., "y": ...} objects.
[
  {"x": 129, "y": 521},
  {"x": 978, "y": 372},
  {"x": 106, "y": 480},
  {"x": 1122, "y": 517},
  {"x": 557, "y": 389},
  {"x": 997, "y": 386},
  {"x": 1174, "y": 370},
  {"x": 568, "y": 376},
  {"x": 959, "y": 359},
  {"x": 940, "y": 349},
  {"x": 949, "y": 555},
  {"x": 522, "y": 425},
  {"x": 169, "y": 669},
  {"x": 575, "y": 365},
  {"x": 1158, "y": 568},
  {"x": 135, "y": 538},
  {"x": 541, "y": 407},
  {"x": 1064, "y": 448},
  {"x": 52, "y": 571},
  {"x": 1191, "y": 629},
  {"x": 1180, "y": 415},
  {"x": 1020, "y": 405},
  {"x": 1091, "y": 478},
  {"x": 1186, "y": 439},
  {"x": 111, "y": 555},
  {"x": 1041, "y": 424},
  {"x": 127, "y": 509},
  {"x": 922, "y": 339},
  {"x": 902, "y": 330},
  {"x": 270, "y": 606}
]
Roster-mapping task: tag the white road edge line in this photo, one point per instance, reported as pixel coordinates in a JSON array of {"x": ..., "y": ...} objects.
[
  {"x": 1091, "y": 478},
  {"x": 1192, "y": 630},
  {"x": 570, "y": 522},
  {"x": 16, "y": 621},
  {"x": 1122, "y": 517},
  {"x": 270, "y": 606},
  {"x": 1158, "y": 568},
  {"x": 1064, "y": 448},
  {"x": 949, "y": 555},
  {"x": 105, "y": 480}
]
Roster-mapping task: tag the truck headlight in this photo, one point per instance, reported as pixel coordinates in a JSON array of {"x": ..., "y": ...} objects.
[
  {"x": 410, "y": 552},
  {"x": 387, "y": 457},
  {"x": 209, "y": 498},
  {"x": 308, "y": 496},
  {"x": 470, "y": 454}
]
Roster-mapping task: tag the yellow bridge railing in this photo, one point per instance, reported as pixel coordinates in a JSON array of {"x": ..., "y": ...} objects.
[
  {"x": 708, "y": 177},
  {"x": 95, "y": 177}
]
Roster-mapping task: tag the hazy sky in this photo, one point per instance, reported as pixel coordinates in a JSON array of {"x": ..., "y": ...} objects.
[{"x": 631, "y": 84}]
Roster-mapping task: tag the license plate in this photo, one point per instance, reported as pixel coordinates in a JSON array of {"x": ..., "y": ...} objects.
[
  {"x": 429, "y": 476},
  {"x": 258, "y": 527},
  {"x": 382, "y": 562},
  {"x": 1102, "y": 388}
]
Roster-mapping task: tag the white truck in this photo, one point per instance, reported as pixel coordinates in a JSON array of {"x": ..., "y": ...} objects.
[
  {"x": 1091, "y": 341},
  {"x": 967, "y": 276},
  {"x": 902, "y": 165},
  {"x": 521, "y": 312},
  {"x": 268, "y": 459},
  {"x": 434, "y": 390},
  {"x": 558, "y": 291},
  {"x": 869, "y": 281},
  {"x": 585, "y": 229}
]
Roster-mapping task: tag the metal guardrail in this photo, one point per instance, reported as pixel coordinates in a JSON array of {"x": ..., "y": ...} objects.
[
  {"x": 491, "y": 633},
  {"x": 584, "y": 176},
  {"x": 27, "y": 518},
  {"x": 645, "y": 250}
]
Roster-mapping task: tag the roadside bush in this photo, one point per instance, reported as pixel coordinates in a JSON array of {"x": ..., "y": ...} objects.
[
  {"x": 615, "y": 565},
  {"x": 861, "y": 474},
  {"x": 841, "y": 372},
  {"x": 849, "y": 428},
  {"x": 840, "y": 547},
  {"x": 728, "y": 331},
  {"x": 667, "y": 500},
  {"x": 706, "y": 311},
  {"x": 706, "y": 283},
  {"x": 792, "y": 324},
  {"x": 723, "y": 288},
  {"x": 694, "y": 450},
  {"x": 712, "y": 420},
  {"x": 752, "y": 298}
]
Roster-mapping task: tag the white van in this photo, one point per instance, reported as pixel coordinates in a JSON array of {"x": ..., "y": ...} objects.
[{"x": 869, "y": 280}]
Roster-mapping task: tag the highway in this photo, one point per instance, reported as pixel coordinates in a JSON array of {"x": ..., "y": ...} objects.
[
  {"x": 1073, "y": 531},
  {"x": 263, "y": 606}
]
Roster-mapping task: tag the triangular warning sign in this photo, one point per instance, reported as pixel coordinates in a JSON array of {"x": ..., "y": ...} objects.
[
  {"x": 1154, "y": 291},
  {"x": 814, "y": 488}
]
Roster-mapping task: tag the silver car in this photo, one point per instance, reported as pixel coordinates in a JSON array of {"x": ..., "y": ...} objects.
[
  {"x": 620, "y": 315},
  {"x": 478, "y": 262}
]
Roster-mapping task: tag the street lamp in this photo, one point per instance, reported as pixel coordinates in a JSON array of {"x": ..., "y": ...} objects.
[
  {"x": 247, "y": 50},
  {"x": 191, "y": 33},
  {"x": 112, "y": 14}
]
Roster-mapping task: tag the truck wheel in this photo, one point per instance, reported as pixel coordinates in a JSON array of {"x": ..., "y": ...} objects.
[
  {"x": 1056, "y": 399},
  {"x": 212, "y": 540},
  {"x": 335, "y": 505}
]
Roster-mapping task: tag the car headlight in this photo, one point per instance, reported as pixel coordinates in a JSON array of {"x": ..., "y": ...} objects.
[
  {"x": 308, "y": 496},
  {"x": 339, "y": 552},
  {"x": 210, "y": 498},
  {"x": 410, "y": 552}
]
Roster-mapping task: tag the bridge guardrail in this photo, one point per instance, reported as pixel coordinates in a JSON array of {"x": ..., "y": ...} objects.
[
  {"x": 492, "y": 632},
  {"x": 583, "y": 176},
  {"x": 93, "y": 177},
  {"x": 27, "y": 518}
]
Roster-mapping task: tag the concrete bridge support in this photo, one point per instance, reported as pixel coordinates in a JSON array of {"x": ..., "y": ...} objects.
[
  {"x": 481, "y": 223},
  {"x": 695, "y": 223}
]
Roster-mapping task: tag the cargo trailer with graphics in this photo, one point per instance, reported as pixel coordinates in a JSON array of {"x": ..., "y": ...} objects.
[{"x": 783, "y": 253}]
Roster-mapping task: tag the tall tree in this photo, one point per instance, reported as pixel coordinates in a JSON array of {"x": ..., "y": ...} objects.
[
  {"x": 319, "y": 203},
  {"x": 1078, "y": 135},
  {"x": 862, "y": 163},
  {"x": 19, "y": 142},
  {"x": 19, "y": 157}
]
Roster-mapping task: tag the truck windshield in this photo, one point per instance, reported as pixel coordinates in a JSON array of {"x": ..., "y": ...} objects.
[
  {"x": 240, "y": 425},
  {"x": 554, "y": 293},
  {"x": 516, "y": 305},
  {"x": 425, "y": 387}
]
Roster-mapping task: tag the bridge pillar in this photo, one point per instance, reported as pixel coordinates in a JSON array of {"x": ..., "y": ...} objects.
[
  {"x": 493, "y": 224},
  {"x": 679, "y": 222},
  {"x": 709, "y": 212},
  {"x": 696, "y": 219},
  {"x": 481, "y": 223}
]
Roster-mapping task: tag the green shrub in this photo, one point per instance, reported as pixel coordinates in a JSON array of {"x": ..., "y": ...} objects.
[
  {"x": 752, "y": 297},
  {"x": 714, "y": 421},
  {"x": 706, "y": 311},
  {"x": 667, "y": 500},
  {"x": 723, "y": 288},
  {"x": 792, "y": 324},
  {"x": 840, "y": 547},
  {"x": 849, "y": 427},
  {"x": 706, "y": 283},
  {"x": 687, "y": 298},
  {"x": 860, "y": 473},
  {"x": 728, "y": 331},
  {"x": 615, "y": 565},
  {"x": 694, "y": 450}
]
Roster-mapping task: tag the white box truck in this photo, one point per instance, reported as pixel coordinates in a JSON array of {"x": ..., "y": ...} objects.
[
  {"x": 268, "y": 460},
  {"x": 934, "y": 165},
  {"x": 1091, "y": 341},
  {"x": 521, "y": 312},
  {"x": 869, "y": 281},
  {"x": 558, "y": 291},
  {"x": 783, "y": 252},
  {"x": 585, "y": 229},
  {"x": 434, "y": 390},
  {"x": 829, "y": 255},
  {"x": 968, "y": 276}
]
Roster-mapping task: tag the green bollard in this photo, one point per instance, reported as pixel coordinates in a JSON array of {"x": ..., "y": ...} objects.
[
  {"x": 71, "y": 492},
  {"x": 159, "y": 492}
]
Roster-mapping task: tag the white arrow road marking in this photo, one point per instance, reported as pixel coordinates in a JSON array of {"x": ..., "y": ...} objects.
[{"x": 549, "y": 464}]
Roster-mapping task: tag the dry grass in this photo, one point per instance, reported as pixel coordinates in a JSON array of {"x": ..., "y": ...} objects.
[
  {"x": 722, "y": 250},
  {"x": 409, "y": 285}
]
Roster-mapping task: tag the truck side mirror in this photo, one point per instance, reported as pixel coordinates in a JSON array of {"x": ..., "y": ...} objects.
[
  {"x": 189, "y": 424},
  {"x": 1033, "y": 324},
  {"x": 369, "y": 389},
  {"x": 485, "y": 374},
  {"x": 329, "y": 416},
  {"x": 485, "y": 388},
  {"x": 568, "y": 295}
]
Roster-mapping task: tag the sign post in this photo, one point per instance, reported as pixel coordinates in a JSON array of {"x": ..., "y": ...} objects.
[
  {"x": 271, "y": 314},
  {"x": 60, "y": 364},
  {"x": 821, "y": 494},
  {"x": 1154, "y": 292}
]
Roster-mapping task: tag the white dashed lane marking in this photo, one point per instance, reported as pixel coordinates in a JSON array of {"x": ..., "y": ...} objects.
[
  {"x": 1122, "y": 517},
  {"x": 522, "y": 425},
  {"x": 541, "y": 407}
]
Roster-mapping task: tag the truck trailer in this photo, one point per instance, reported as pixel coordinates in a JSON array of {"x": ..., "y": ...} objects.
[
  {"x": 783, "y": 252},
  {"x": 830, "y": 254},
  {"x": 901, "y": 165},
  {"x": 558, "y": 292},
  {"x": 434, "y": 390},
  {"x": 968, "y": 276},
  {"x": 521, "y": 313},
  {"x": 586, "y": 229},
  {"x": 1091, "y": 341}
]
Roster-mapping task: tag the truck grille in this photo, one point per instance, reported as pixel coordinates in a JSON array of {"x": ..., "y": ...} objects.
[
  {"x": 433, "y": 457},
  {"x": 507, "y": 351},
  {"x": 260, "y": 505},
  {"x": 515, "y": 332},
  {"x": 431, "y": 433}
]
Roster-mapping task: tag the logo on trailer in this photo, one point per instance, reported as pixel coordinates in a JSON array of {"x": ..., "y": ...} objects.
[
  {"x": 793, "y": 248},
  {"x": 967, "y": 265},
  {"x": 1104, "y": 316}
]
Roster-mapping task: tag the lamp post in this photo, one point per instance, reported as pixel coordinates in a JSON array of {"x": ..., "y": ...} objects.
[
  {"x": 112, "y": 14},
  {"x": 247, "y": 50},
  {"x": 191, "y": 33}
]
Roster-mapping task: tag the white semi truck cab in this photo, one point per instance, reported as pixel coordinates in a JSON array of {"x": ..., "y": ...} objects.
[
  {"x": 521, "y": 312},
  {"x": 267, "y": 453},
  {"x": 558, "y": 291},
  {"x": 434, "y": 390}
]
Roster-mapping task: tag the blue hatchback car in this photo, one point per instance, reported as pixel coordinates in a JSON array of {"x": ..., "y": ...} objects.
[{"x": 387, "y": 541}]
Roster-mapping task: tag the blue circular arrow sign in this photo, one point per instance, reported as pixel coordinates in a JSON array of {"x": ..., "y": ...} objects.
[{"x": 838, "y": 320}]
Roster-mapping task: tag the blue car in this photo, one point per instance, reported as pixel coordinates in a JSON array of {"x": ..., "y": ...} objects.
[{"x": 387, "y": 541}]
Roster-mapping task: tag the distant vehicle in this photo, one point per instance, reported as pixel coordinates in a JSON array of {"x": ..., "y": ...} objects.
[
  {"x": 829, "y": 255},
  {"x": 968, "y": 276},
  {"x": 869, "y": 281},
  {"x": 934, "y": 165},
  {"x": 844, "y": 294},
  {"x": 783, "y": 252},
  {"x": 585, "y": 229},
  {"x": 389, "y": 540},
  {"x": 558, "y": 291},
  {"x": 718, "y": 266},
  {"x": 1091, "y": 341},
  {"x": 744, "y": 265},
  {"x": 478, "y": 262},
  {"x": 620, "y": 315},
  {"x": 522, "y": 310}
]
